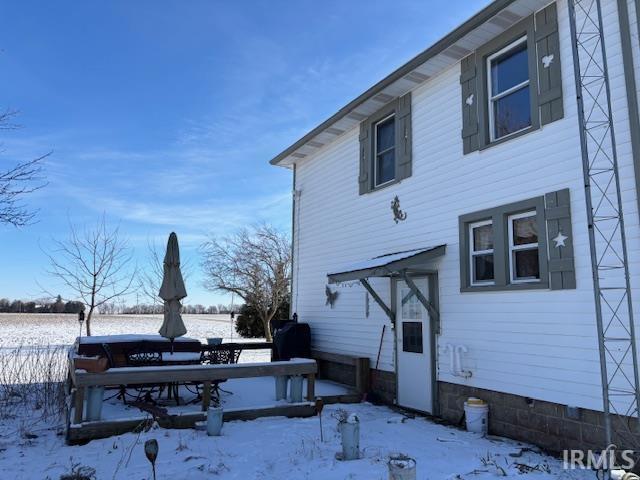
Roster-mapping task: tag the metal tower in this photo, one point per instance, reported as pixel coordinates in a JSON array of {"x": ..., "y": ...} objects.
[{"x": 614, "y": 313}]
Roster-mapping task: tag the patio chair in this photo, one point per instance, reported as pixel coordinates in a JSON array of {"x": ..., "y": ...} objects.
[
  {"x": 146, "y": 355},
  {"x": 214, "y": 355}
]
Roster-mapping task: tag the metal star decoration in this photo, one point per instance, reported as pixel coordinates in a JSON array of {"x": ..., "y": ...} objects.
[{"x": 560, "y": 239}]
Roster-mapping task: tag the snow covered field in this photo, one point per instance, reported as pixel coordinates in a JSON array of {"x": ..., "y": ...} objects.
[
  {"x": 49, "y": 330},
  {"x": 276, "y": 449}
]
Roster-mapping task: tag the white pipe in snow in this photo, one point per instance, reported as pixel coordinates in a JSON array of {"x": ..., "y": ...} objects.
[{"x": 460, "y": 372}]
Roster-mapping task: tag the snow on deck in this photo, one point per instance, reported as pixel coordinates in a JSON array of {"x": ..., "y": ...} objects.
[
  {"x": 237, "y": 393},
  {"x": 278, "y": 448}
]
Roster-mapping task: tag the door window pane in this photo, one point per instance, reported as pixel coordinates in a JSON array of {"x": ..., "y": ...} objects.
[
  {"x": 512, "y": 112},
  {"x": 412, "y": 337},
  {"x": 411, "y": 308}
]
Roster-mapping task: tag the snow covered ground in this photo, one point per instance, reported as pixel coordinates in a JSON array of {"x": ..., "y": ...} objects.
[
  {"x": 278, "y": 448},
  {"x": 268, "y": 448}
]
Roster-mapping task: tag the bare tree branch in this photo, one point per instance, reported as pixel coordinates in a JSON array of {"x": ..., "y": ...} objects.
[
  {"x": 96, "y": 265},
  {"x": 255, "y": 264},
  {"x": 18, "y": 181}
]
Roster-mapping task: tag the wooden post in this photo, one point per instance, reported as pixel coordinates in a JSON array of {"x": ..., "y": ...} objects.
[
  {"x": 362, "y": 375},
  {"x": 311, "y": 387},
  {"x": 79, "y": 406},
  {"x": 206, "y": 396}
]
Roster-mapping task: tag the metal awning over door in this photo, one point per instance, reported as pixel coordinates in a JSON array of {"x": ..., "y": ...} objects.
[{"x": 400, "y": 264}]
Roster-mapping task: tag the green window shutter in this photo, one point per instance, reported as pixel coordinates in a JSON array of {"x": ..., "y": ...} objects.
[
  {"x": 548, "y": 61},
  {"x": 562, "y": 273},
  {"x": 403, "y": 137},
  {"x": 468, "y": 82},
  {"x": 365, "y": 158}
]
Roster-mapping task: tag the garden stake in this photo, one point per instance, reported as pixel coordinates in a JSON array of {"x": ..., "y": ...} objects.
[{"x": 319, "y": 407}]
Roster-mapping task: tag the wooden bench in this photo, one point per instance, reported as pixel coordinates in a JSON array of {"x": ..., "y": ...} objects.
[
  {"x": 360, "y": 364},
  {"x": 204, "y": 374}
]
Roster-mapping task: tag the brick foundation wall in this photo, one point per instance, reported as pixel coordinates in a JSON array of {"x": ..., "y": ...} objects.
[{"x": 549, "y": 425}]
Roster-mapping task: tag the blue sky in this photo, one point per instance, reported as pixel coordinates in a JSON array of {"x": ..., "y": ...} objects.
[{"x": 163, "y": 115}]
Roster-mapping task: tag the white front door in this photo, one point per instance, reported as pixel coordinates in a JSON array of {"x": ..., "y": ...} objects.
[{"x": 413, "y": 337}]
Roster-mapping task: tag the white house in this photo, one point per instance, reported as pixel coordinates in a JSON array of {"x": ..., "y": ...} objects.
[{"x": 446, "y": 207}]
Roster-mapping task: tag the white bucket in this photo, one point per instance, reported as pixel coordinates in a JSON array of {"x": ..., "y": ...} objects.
[
  {"x": 476, "y": 413},
  {"x": 214, "y": 421}
]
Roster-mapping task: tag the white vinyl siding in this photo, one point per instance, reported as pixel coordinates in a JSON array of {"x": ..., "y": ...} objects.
[{"x": 536, "y": 343}]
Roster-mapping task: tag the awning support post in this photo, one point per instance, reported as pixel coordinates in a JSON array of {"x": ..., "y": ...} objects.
[
  {"x": 423, "y": 300},
  {"x": 378, "y": 300}
]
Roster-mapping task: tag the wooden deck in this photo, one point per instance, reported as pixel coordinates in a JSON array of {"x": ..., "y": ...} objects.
[{"x": 81, "y": 430}]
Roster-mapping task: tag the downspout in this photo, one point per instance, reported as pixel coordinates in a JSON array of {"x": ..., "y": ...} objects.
[
  {"x": 631, "y": 85},
  {"x": 293, "y": 310}
]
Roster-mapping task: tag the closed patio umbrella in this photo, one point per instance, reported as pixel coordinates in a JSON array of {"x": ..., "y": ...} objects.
[{"x": 172, "y": 291}]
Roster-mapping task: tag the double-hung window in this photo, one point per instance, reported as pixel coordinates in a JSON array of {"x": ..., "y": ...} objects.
[
  {"x": 512, "y": 85},
  {"x": 509, "y": 99},
  {"x": 385, "y": 146},
  {"x": 505, "y": 247},
  {"x": 481, "y": 253},
  {"x": 385, "y": 151},
  {"x": 524, "y": 264}
]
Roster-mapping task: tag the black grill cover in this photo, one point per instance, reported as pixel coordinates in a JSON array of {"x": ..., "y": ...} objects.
[{"x": 293, "y": 340}]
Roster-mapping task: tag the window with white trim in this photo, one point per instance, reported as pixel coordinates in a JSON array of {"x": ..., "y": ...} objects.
[
  {"x": 505, "y": 247},
  {"x": 508, "y": 87},
  {"x": 385, "y": 151},
  {"x": 481, "y": 253},
  {"x": 524, "y": 264}
]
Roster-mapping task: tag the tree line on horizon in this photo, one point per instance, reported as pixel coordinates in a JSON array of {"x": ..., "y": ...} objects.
[{"x": 60, "y": 306}]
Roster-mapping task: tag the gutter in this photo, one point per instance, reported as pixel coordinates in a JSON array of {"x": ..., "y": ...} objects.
[
  {"x": 445, "y": 42},
  {"x": 630, "y": 86}
]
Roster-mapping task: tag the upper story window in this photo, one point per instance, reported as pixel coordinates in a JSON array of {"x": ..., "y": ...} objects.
[
  {"x": 385, "y": 146},
  {"x": 509, "y": 90},
  {"x": 512, "y": 85},
  {"x": 385, "y": 150}
]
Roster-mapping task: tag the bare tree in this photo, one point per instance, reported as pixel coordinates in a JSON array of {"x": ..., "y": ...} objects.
[
  {"x": 255, "y": 264},
  {"x": 18, "y": 181},
  {"x": 150, "y": 279},
  {"x": 96, "y": 265}
]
